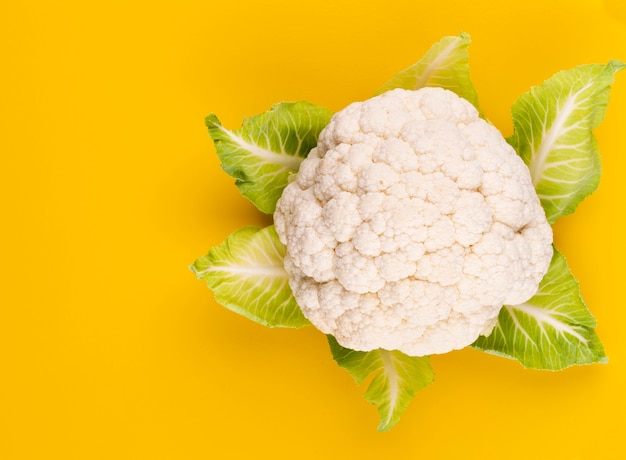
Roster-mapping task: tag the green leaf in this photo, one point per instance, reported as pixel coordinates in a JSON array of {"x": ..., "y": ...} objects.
[
  {"x": 553, "y": 126},
  {"x": 247, "y": 276},
  {"x": 445, "y": 65},
  {"x": 552, "y": 330},
  {"x": 397, "y": 378},
  {"x": 268, "y": 148}
]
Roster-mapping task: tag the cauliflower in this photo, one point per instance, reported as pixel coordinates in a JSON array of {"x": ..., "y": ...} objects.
[
  {"x": 410, "y": 224},
  {"x": 404, "y": 224}
]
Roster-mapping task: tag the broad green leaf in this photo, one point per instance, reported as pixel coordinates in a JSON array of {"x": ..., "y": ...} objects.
[
  {"x": 445, "y": 65},
  {"x": 247, "y": 276},
  {"x": 552, "y": 330},
  {"x": 553, "y": 126},
  {"x": 397, "y": 378},
  {"x": 268, "y": 148}
]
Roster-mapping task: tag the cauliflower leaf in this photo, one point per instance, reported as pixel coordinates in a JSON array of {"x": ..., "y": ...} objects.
[
  {"x": 445, "y": 65},
  {"x": 553, "y": 126},
  {"x": 397, "y": 378},
  {"x": 268, "y": 148},
  {"x": 551, "y": 331},
  {"x": 247, "y": 276}
]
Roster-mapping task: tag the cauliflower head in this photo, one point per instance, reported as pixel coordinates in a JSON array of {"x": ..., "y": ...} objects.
[{"x": 410, "y": 224}]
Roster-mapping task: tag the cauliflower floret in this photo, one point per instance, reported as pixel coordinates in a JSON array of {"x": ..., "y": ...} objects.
[{"x": 411, "y": 224}]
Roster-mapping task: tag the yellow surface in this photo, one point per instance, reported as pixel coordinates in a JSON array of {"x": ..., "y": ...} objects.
[{"x": 110, "y": 188}]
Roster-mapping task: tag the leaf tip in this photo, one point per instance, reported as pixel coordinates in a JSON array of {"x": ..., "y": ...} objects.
[
  {"x": 385, "y": 426},
  {"x": 211, "y": 121},
  {"x": 193, "y": 268},
  {"x": 616, "y": 65}
]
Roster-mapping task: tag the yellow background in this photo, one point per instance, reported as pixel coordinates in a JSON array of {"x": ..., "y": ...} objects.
[{"x": 110, "y": 188}]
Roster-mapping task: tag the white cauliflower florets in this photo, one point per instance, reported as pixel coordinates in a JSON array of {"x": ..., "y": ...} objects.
[{"x": 411, "y": 224}]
